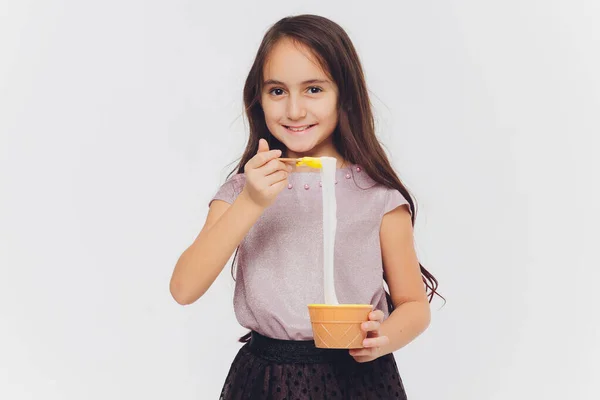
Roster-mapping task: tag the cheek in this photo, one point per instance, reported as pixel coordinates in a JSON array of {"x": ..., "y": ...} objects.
[
  {"x": 328, "y": 116},
  {"x": 327, "y": 110},
  {"x": 273, "y": 116},
  {"x": 272, "y": 110}
]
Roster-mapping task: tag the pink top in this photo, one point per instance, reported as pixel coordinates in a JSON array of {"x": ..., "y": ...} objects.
[{"x": 280, "y": 261}]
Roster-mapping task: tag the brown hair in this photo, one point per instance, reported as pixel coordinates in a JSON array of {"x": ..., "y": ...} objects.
[{"x": 354, "y": 136}]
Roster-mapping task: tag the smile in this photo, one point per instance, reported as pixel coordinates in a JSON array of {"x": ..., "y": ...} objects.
[{"x": 298, "y": 129}]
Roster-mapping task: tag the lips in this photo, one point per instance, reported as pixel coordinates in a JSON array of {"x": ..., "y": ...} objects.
[{"x": 299, "y": 129}]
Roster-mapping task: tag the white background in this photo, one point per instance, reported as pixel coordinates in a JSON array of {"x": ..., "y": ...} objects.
[{"x": 118, "y": 121}]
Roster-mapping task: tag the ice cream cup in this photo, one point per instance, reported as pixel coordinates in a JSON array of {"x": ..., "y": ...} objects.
[{"x": 338, "y": 326}]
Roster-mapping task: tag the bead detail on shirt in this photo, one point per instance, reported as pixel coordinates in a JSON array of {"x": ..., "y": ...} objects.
[
  {"x": 348, "y": 176},
  {"x": 320, "y": 184},
  {"x": 306, "y": 186},
  {"x": 358, "y": 169},
  {"x": 290, "y": 186}
]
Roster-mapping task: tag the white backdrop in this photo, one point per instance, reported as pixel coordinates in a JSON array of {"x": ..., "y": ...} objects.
[{"x": 118, "y": 120}]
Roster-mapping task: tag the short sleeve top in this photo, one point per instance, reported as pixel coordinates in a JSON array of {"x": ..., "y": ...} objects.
[{"x": 280, "y": 261}]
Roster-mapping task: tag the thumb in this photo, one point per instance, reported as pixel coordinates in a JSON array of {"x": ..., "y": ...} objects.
[{"x": 263, "y": 146}]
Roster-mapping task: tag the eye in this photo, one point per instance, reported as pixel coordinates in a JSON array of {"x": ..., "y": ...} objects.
[
  {"x": 276, "y": 91},
  {"x": 314, "y": 90}
]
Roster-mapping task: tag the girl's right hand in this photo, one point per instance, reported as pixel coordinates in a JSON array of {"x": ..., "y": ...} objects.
[{"x": 266, "y": 176}]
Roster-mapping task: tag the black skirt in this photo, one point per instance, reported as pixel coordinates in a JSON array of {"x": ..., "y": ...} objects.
[{"x": 272, "y": 369}]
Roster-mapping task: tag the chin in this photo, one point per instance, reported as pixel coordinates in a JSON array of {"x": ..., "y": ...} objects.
[
  {"x": 300, "y": 148},
  {"x": 295, "y": 144}
]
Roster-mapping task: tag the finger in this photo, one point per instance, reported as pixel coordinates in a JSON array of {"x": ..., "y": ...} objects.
[
  {"x": 263, "y": 146},
  {"x": 273, "y": 166},
  {"x": 275, "y": 177},
  {"x": 376, "y": 315},
  {"x": 370, "y": 326},
  {"x": 367, "y": 352},
  {"x": 358, "y": 352},
  {"x": 278, "y": 187},
  {"x": 376, "y": 342},
  {"x": 262, "y": 158},
  {"x": 363, "y": 359}
]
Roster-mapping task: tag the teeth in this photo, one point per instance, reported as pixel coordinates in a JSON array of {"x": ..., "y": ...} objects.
[{"x": 299, "y": 129}]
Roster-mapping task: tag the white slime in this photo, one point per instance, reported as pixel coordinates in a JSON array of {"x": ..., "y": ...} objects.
[{"x": 329, "y": 226}]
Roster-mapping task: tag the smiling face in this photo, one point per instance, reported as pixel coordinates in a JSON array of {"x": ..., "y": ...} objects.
[{"x": 299, "y": 101}]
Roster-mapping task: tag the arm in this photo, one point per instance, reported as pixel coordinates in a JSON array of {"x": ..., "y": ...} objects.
[
  {"x": 412, "y": 314},
  {"x": 201, "y": 263},
  {"x": 226, "y": 226}
]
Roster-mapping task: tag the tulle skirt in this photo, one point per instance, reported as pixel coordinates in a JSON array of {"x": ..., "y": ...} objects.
[{"x": 273, "y": 369}]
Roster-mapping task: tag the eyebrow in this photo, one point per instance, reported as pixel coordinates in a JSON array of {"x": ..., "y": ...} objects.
[{"x": 308, "y": 82}]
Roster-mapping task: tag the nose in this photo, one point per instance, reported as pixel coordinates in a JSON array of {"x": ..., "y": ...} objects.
[{"x": 295, "y": 108}]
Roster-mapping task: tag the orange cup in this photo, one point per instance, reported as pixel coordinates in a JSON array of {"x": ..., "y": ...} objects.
[{"x": 338, "y": 326}]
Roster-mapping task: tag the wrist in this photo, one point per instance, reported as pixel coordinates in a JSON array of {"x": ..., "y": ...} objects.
[{"x": 246, "y": 201}]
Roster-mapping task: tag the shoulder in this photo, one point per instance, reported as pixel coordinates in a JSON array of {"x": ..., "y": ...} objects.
[
  {"x": 359, "y": 189},
  {"x": 386, "y": 198},
  {"x": 229, "y": 190},
  {"x": 236, "y": 181},
  {"x": 393, "y": 199}
]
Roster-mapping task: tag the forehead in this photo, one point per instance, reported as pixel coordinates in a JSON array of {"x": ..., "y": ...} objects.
[{"x": 292, "y": 62}]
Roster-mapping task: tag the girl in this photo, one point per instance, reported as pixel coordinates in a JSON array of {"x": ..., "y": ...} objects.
[{"x": 306, "y": 95}]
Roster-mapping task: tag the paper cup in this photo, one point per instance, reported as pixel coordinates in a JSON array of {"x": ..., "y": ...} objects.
[{"x": 338, "y": 326}]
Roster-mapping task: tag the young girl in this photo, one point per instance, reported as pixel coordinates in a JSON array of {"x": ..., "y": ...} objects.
[{"x": 306, "y": 95}]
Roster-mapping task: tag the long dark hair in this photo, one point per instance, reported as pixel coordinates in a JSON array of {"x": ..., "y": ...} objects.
[{"x": 354, "y": 137}]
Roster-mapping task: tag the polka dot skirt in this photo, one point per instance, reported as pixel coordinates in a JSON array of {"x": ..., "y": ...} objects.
[{"x": 255, "y": 375}]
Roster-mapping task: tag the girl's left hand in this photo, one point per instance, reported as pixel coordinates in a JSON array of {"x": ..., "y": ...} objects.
[{"x": 373, "y": 343}]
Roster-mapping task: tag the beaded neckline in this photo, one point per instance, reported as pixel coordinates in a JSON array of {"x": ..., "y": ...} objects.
[{"x": 304, "y": 179}]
